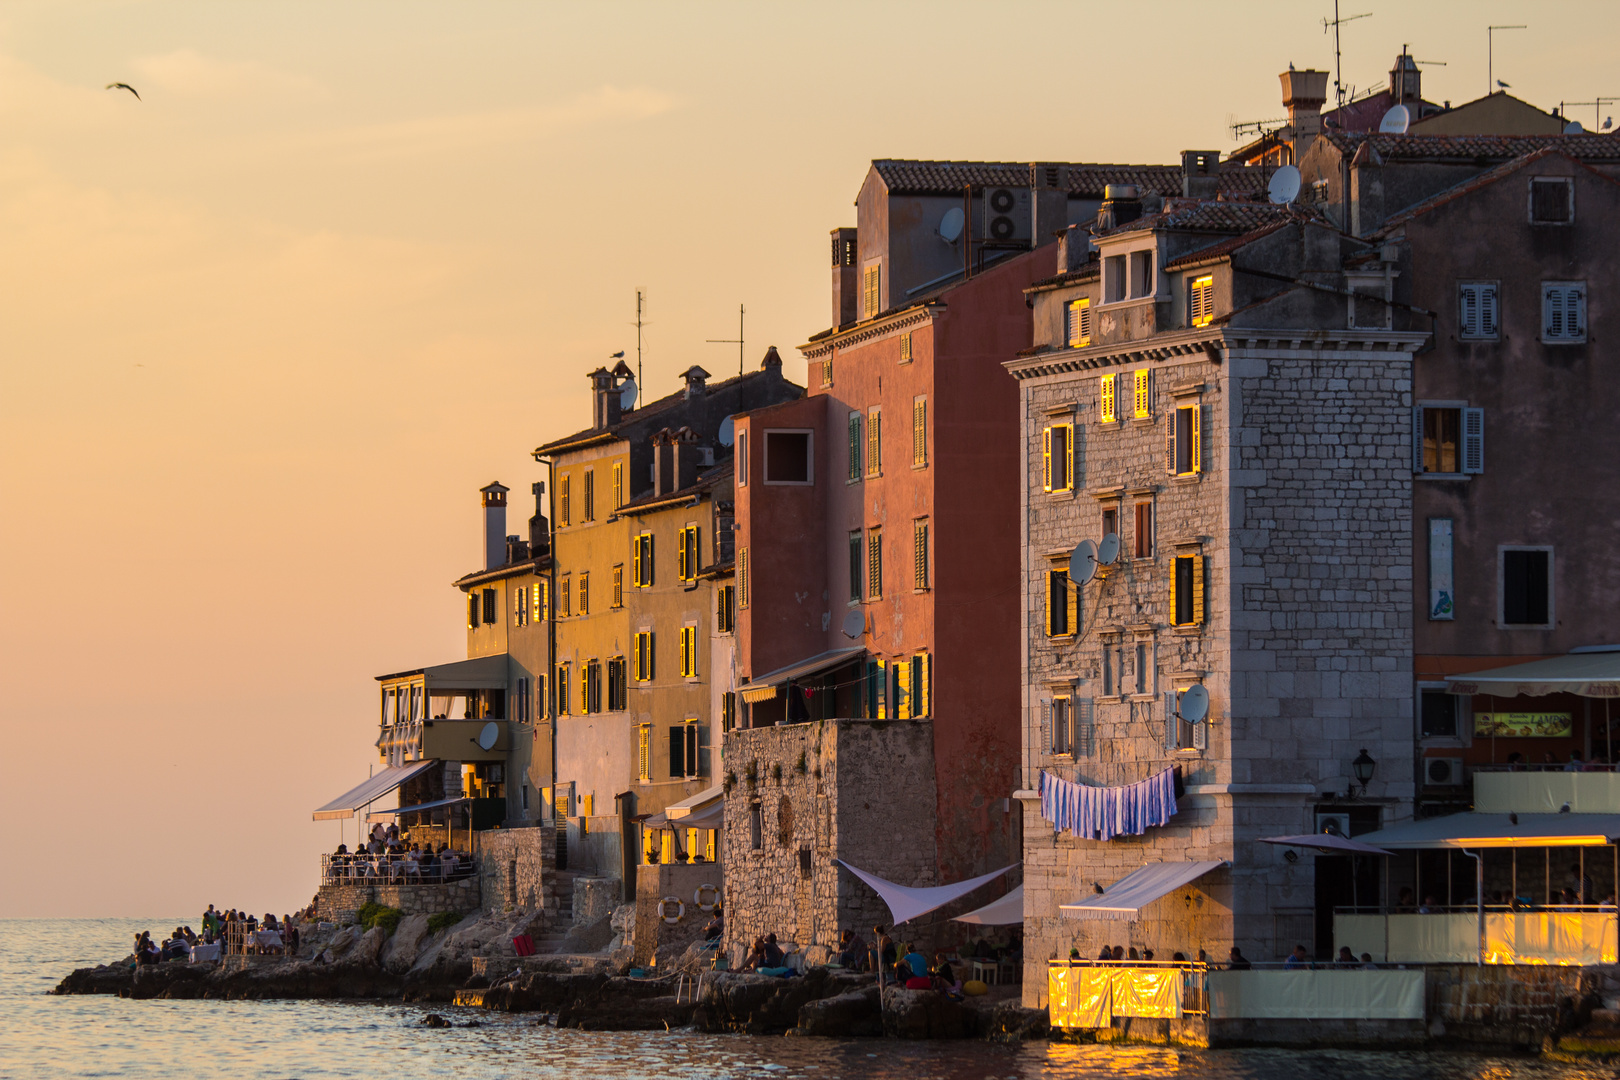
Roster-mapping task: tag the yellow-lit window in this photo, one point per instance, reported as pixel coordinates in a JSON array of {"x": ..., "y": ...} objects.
[
  {"x": 688, "y": 651},
  {"x": 1057, "y": 458},
  {"x": 563, "y": 517},
  {"x": 921, "y": 688},
  {"x": 1079, "y": 327},
  {"x": 618, "y": 586},
  {"x": 902, "y": 689},
  {"x": 1107, "y": 408},
  {"x": 585, "y": 593},
  {"x": 590, "y": 495},
  {"x": 919, "y": 553},
  {"x": 905, "y": 348},
  {"x": 1183, "y": 441},
  {"x": 725, "y": 613},
  {"x": 618, "y": 484},
  {"x": 642, "y": 566},
  {"x": 880, "y": 690},
  {"x": 742, "y": 578},
  {"x": 644, "y": 656},
  {"x": 1187, "y": 591},
  {"x": 520, "y": 606},
  {"x": 874, "y": 564},
  {"x": 1201, "y": 300},
  {"x": 687, "y": 553},
  {"x": 1141, "y": 398},
  {"x": 919, "y": 431},
  {"x": 539, "y": 610},
  {"x": 874, "y": 441},
  {"x": 562, "y": 689},
  {"x": 644, "y": 755}
]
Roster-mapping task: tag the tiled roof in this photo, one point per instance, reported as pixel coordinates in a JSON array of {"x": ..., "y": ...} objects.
[
  {"x": 635, "y": 416},
  {"x": 1187, "y": 215},
  {"x": 704, "y": 483},
  {"x": 1084, "y": 181},
  {"x": 1484, "y": 179},
  {"x": 1480, "y": 148},
  {"x": 1226, "y": 247},
  {"x": 1088, "y": 272}
]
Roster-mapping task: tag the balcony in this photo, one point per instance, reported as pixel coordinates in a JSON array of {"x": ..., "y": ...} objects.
[{"x": 447, "y": 740}]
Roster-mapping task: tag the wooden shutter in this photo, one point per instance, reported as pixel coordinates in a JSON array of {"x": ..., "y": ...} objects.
[
  {"x": 919, "y": 431},
  {"x": 1575, "y": 311},
  {"x": 1473, "y": 448},
  {"x": 1071, "y": 606},
  {"x": 472, "y": 611},
  {"x": 1141, "y": 402},
  {"x": 1051, "y": 603},
  {"x": 1172, "y": 723},
  {"x": 1175, "y": 612},
  {"x": 1170, "y": 441},
  {"x": 1468, "y": 320},
  {"x": 854, "y": 446},
  {"x": 1085, "y": 727},
  {"x": 1417, "y": 438},
  {"x": 1108, "y": 407},
  {"x": 882, "y": 682},
  {"x": 644, "y": 752},
  {"x": 1487, "y": 310},
  {"x": 1046, "y": 459},
  {"x": 1046, "y": 723},
  {"x": 1198, "y": 593},
  {"x": 874, "y": 442},
  {"x": 742, "y": 578},
  {"x": 921, "y": 685},
  {"x": 647, "y": 559},
  {"x": 1196, "y": 455},
  {"x": 902, "y": 689}
]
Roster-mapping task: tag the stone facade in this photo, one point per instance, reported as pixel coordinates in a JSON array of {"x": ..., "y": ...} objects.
[
  {"x": 517, "y": 868},
  {"x": 341, "y": 904},
  {"x": 654, "y": 935}
]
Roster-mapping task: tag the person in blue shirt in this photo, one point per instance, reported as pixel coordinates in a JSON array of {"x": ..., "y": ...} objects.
[
  {"x": 1297, "y": 959},
  {"x": 918, "y": 963}
]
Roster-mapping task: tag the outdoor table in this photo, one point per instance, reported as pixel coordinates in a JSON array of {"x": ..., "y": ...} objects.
[
  {"x": 267, "y": 937},
  {"x": 204, "y": 954}
]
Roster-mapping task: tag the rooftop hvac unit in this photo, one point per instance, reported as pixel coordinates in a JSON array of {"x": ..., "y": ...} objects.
[
  {"x": 705, "y": 456},
  {"x": 1006, "y": 217},
  {"x": 1443, "y": 771}
]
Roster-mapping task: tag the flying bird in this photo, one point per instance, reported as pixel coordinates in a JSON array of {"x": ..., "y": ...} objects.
[
  {"x": 1503, "y": 85},
  {"x": 123, "y": 86}
]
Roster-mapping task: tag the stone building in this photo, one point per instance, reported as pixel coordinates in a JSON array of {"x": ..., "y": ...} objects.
[{"x": 1202, "y": 389}]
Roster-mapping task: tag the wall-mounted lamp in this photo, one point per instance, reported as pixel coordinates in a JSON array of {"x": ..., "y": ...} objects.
[
  {"x": 1363, "y": 768},
  {"x": 1291, "y": 855}
]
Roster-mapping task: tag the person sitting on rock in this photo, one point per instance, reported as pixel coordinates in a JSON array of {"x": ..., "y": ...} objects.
[
  {"x": 774, "y": 957},
  {"x": 756, "y": 957},
  {"x": 851, "y": 949},
  {"x": 715, "y": 928},
  {"x": 918, "y": 962},
  {"x": 945, "y": 978}
]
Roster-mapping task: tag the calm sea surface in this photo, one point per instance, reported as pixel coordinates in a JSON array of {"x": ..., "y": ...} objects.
[{"x": 43, "y": 1037}]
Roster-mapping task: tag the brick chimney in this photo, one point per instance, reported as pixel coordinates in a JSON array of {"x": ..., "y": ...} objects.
[
  {"x": 605, "y": 399},
  {"x": 1074, "y": 248},
  {"x": 1304, "y": 94},
  {"x": 772, "y": 362},
  {"x": 494, "y": 502},
  {"x": 1049, "y": 201},
  {"x": 663, "y": 462},
  {"x": 684, "y": 447},
  {"x": 846, "y": 283}
]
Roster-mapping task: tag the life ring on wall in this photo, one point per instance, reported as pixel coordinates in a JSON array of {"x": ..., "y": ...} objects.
[
  {"x": 697, "y": 897},
  {"x": 663, "y": 909}
]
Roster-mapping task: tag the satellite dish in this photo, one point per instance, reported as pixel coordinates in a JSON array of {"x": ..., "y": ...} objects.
[
  {"x": 950, "y": 226},
  {"x": 1396, "y": 121},
  {"x": 627, "y": 395},
  {"x": 728, "y": 432},
  {"x": 1108, "y": 550},
  {"x": 1284, "y": 187},
  {"x": 1574, "y": 128},
  {"x": 1194, "y": 704},
  {"x": 854, "y": 623},
  {"x": 489, "y": 736},
  {"x": 1083, "y": 562}
]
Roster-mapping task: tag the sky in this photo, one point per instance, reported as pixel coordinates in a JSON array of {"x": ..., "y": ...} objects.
[{"x": 266, "y": 331}]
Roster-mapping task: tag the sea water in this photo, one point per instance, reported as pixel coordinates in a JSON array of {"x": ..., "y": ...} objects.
[{"x": 42, "y": 1036}]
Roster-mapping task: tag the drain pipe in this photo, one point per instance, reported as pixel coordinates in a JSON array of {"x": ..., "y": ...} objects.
[{"x": 1479, "y": 901}]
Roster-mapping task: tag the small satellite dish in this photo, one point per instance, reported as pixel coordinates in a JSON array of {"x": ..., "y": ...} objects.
[
  {"x": 1284, "y": 186},
  {"x": 950, "y": 226},
  {"x": 1108, "y": 549},
  {"x": 854, "y": 623},
  {"x": 489, "y": 736},
  {"x": 627, "y": 395},
  {"x": 1083, "y": 562},
  {"x": 1194, "y": 704},
  {"x": 1574, "y": 128},
  {"x": 728, "y": 432},
  {"x": 1396, "y": 121}
]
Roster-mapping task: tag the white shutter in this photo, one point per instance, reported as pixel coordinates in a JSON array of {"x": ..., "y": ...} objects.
[
  {"x": 1473, "y": 456},
  {"x": 1487, "y": 310},
  {"x": 1085, "y": 728},
  {"x": 1575, "y": 311},
  {"x": 1417, "y": 438},
  {"x": 1172, "y": 723},
  {"x": 1200, "y": 735},
  {"x": 1552, "y": 311},
  {"x": 1046, "y": 724},
  {"x": 1468, "y": 310}
]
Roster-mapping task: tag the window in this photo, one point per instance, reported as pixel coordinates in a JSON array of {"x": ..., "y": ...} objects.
[
  {"x": 565, "y": 597},
  {"x": 1078, "y": 330},
  {"x": 922, "y": 678},
  {"x": 1437, "y": 713},
  {"x": 539, "y": 601},
  {"x": 728, "y": 711},
  {"x": 1187, "y": 591},
  {"x": 1057, "y": 458},
  {"x": 1451, "y": 440},
  {"x": 756, "y": 827},
  {"x": 1201, "y": 300},
  {"x": 872, "y": 289},
  {"x": 857, "y": 567},
  {"x": 874, "y": 441},
  {"x": 644, "y": 656},
  {"x": 742, "y": 578},
  {"x": 919, "y": 431},
  {"x": 1110, "y": 521},
  {"x": 1563, "y": 311},
  {"x": 618, "y": 586},
  {"x": 1477, "y": 310},
  {"x": 877, "y": 689},
  {"x": 1143, "y": 537},
  {"x": 683, "y": 751},
  {"x": 1141, "y": 274},
  {"x": 1062, "y": 736},
  {"x": 919, "y": 553},
  {"x": 1141, "y": 394},
  {"x": 562, "y": 689},
  {"x": 585, "y": 593},
  {"x": 1107, "y": 410},
  {"x": 854, "y": 446},
  {"x": 591, "y": 691},
  {"x": 472, "y": 611},
  {"x": 491, "y": 610},
  {"x": 1144, "y": 668},
  {"x": 641, "y": 562},
  {"x": 1180, "y": 734},
  {"x": 1062, "y": 605},
  {"x": 1552, "y": 200},
  {"x": 742, "y": 458},
  {"x": 618, "y": 484},
  {"x": 686, "y": 561},
  {"x": 826, "y": 372},
  {"x": 644, "y": 753},
  {"x": 590, "y": 495},
  {"x": 618, "y": 689},
  {"x": 563, "y": 516},
  {"x": 522, "y": 702},
  {"x": 689, "y": 652},
  {"x": 787, "y": 457},
  {"x": 1113, "y": 279},
  {"x": 905, "y": 347},
  {"x": 542, "y": 703},
  {"x": 725, "y": 614},
  {"x": 874, "y": 564},
  {"x": 1526, "y": 587},
  {"x": 1068, "y": 725},
  {"x": 902, "y": 689},
  {"x": 520, "y": 606},
  {"x": 1183, "y": 442},
  {"x": 1113, "y": 661}
]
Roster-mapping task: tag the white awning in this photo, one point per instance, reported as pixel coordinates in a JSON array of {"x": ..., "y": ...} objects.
[
  {"x": 1327, "y": 843},
  {"x": 769, "y": 685},
  {"x": 1007, "y": 911},
  {"x": 693, "y": 803},
  {"x": 1474, "y": 830},
  {"x": 1126, "y": 898},
  {"x": 434, "y": 805},
  {"x": 372, "y": 790},
  {"x": 1589, "y": 674},
  {"x": 907, "y": 902}
]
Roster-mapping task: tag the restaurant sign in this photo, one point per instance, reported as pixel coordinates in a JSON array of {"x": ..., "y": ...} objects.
[{"x": 1525, "y": 724}]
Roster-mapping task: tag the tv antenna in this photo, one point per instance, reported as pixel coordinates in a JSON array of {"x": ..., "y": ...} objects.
[
  {"x": 1490, "y": 54},
  {"x": 737, "y": 341},
  {"x": 1597, "y": 109},
  {"x": 1338, "y": 66},
  {"x": 1262, "y": 128},
  {"x": 641, "y": 307}
]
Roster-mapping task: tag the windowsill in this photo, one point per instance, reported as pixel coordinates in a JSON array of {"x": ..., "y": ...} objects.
[
  {"x": 1190, "y": 630},
  {"x": 1443, "y": 742},
  {"x": 1141, "y": 558},
  {"x": 1069, "y": 492},
  {"x": 1477, "y": 340},
  {"x": 1442, "y": 476},
  {"x": 1108, "y": 423},
  {"x": 919, "y": 592},
  {"x": 852, "y": 481},
  {"x": 1189, "y": 751},
  {"x": 1144, "y": 697},
  {"x": 1134, "y": 301},
  {"x": 1563, "y": 341},
  {"x": 915, "y": 467},
  {"x": 1526, "y": 626},
  {"x": 1187, "y": 478},
  {"x": 1143, "y": 419}
]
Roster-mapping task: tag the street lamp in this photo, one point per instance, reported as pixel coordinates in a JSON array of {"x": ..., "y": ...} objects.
[{"x": 1363, "y": 768}]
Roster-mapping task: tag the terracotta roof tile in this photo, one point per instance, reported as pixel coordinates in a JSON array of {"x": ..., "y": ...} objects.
[
  {"x": 635, "y": 416},
  {"x": 1084, "y": 180},
  {"x": 1185, "y": 215},
  {"x": 1409, "y": 147}
]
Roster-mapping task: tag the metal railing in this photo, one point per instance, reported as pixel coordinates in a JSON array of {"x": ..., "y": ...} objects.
[
  {"x": 1523, "y": 905},
  {"x": 366, "y": 869}
]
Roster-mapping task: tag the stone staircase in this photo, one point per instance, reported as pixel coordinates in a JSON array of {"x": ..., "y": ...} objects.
[{"x": 552, "y": 940}]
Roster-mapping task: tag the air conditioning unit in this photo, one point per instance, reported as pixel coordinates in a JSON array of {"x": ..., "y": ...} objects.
[
  {"x": 705, "y": 456},
  {"x": 1006, "y": 216},
  {"x": 1335, "y": 823},
  {"x": 1443, "y": 771}
]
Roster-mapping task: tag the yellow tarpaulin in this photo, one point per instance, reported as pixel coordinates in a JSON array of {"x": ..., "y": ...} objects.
[
  {"x": 1147, "y": 992},
  {"x": 1079, "y": 997},
  {"x": 1529, "y": 937},
  {"x": 1549, "y": 937},
  {"x": 1316, "y": 995}
]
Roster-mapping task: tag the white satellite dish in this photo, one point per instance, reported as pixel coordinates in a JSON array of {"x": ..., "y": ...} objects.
[
  {"x": 728, "y": 432},
  {"x": 1395, "y": 121},
  {"x": 854, "y": 623},
  {"x": 627, "y": 394},
  {"x": 489, "y": 736},
  {"x": 1194, "y": 703},
  {"x": 950, "y": 226},
  {"x": 1083, "y": 562},
  {"x": 1284, "y": 186},
  {"x": 1108, "y": 549},
  {"x": 1574, "y": 128}
]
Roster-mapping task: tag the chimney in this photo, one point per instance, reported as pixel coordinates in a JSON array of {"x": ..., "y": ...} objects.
[
  {"x": 517, "y": 549},
  {"x": 772, "y": 362},
  {"x": 1074, "y": 249},
  {"x": 1049, "y": 201},
  {"x": 1121, "y": 205},
  {"x": 1200, "y": 174},
  {"x": 846, "y": 285},
  {"x": 1406, "y": 82},
  {"x": 539, "y": 532},
  {"x": 494, "y": 499},
  {"x": 605, "y": 396},
  {"x": 694, "y": 377},
  {"x": 663, "y": 462},
  {"x": 683, "y": 445},
  {"x": 1366, "y": 190},
  {"x": 1304, "y": 94}
]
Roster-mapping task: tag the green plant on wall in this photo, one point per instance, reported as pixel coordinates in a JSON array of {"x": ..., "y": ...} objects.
[
  {"x": 776, "y": 771},
  {"x": 752, "y": 773},
  {"x": 804, "y": 764}
]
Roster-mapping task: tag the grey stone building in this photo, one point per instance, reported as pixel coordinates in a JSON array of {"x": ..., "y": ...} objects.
[{"x": 1203, "y": 387}]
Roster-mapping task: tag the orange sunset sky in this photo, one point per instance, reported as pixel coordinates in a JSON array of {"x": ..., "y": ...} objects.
[{"x": 266, "y": 331}]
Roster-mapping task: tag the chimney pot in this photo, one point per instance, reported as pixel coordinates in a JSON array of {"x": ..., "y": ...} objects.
[{"x": 494, "y": 503}]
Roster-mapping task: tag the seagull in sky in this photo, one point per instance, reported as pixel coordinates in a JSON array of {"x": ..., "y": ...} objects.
[
  {"x": 1503, "y": 85},
  {"x": 1608, "y": 122},
  {"x": 616, "y": 356},
  {"x": 123, "y": 86}
]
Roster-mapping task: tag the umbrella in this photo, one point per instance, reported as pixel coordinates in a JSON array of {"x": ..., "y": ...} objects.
[{"x": 1328, "y": 843}]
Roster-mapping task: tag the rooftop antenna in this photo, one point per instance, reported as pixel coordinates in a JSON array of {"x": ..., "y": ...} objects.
[
  {"x": 737, "y": 341},
  {"x": 1338, "y": 63},
  {"x": 1490, "y": 54},
  {"x": 1597, "y": 109},
  {"x": 641, "y": 307}
]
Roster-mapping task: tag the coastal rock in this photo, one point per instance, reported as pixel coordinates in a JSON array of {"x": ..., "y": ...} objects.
[
  {"x": 1011, "y": 1022},
  {"x": 858, "y": 1012},
  {"x": 102, "y": 979},
  {"x": 924, "y": 1014},
  {"x": 764, "y": 1004},
  {"x": 400, "y": 952}
]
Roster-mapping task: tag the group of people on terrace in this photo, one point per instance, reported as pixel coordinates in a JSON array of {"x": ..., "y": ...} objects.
[
  {"x": 387, "y": 855},
  {"x": 230, "y": 931},
  {"x": 1575, "y": 898}
]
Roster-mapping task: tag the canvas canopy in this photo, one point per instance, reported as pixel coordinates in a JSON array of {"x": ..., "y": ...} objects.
[
  {"x": 434, "y": 805},
  {"x": 372, "y": 789},
  {"x": 1126, "y": 898},
  {"x": 768, "y": 686},
  {"x": 1593, "y": 674},
  {"x": 1325, "y": 842},
  {"x": 1007, "y": 911},
  {"x": 710, "y": 817},
  {"x": 907, "y": 902},
  {"x": 1475, "y": 830},
  {"x": 693, "y": 803}
]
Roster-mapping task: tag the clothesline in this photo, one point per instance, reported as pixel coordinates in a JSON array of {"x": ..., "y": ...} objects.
[{"x": 1102, "y": 813}]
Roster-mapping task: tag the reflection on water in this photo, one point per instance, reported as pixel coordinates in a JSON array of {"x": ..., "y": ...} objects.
[{"x": 46, "y": 1037}]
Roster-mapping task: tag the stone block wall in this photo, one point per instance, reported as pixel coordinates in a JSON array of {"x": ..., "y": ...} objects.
[
  {"x": 517, "y": 869},
  {"x": 341, "y": 903},
  {"x": 681, "y": 880},
  {"x": 595, "y": 897}
]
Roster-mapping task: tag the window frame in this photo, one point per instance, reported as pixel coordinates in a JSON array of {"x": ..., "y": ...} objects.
[
  {"x": 1200, "y": 300},
  {"x": 1481, "y": 288},
  {"x": 687, "y": 550},
  {"x": 1108, "y": 399},
  {"x": 1142, "y": 545},
  {"x": 584, "y": 580},
  {"x": 1058, "y": 578},
  {"x": 1052, "y": 458},
  {"x": 644, "y": 662},
  {"x": 1142, "y": 394},
  {"x": 1470, "y": 439},
  {"x": 1568, "y": 183},
  {"x": 564, "y": 500},
  {"x": 618, "y": 484},
  {"x": 1188, "y": 445},
  {"x": 689, "y": 651},
  {"x": 919, "y": 432},
  {"x": 643, "y": 564},
  {"x": 742, "y": 579},
  {"x": 589, "y": 493},
  {"x": 809, "y": 457},
  {"x": 919, "y": 555},
  {"x": 618, "y": 586},
  {"x": 857, "y": 566},
  {"x": 725, "y": 613},
  {"x": 1461, "y": 704},
  {"x": 906, "y": 355},
  {"x": 1548, "y": 287},
  {"x": 1502, "y": 551},
  {"x": 1077, "y": 322},
  {"x": 1194, "y": 590}
]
